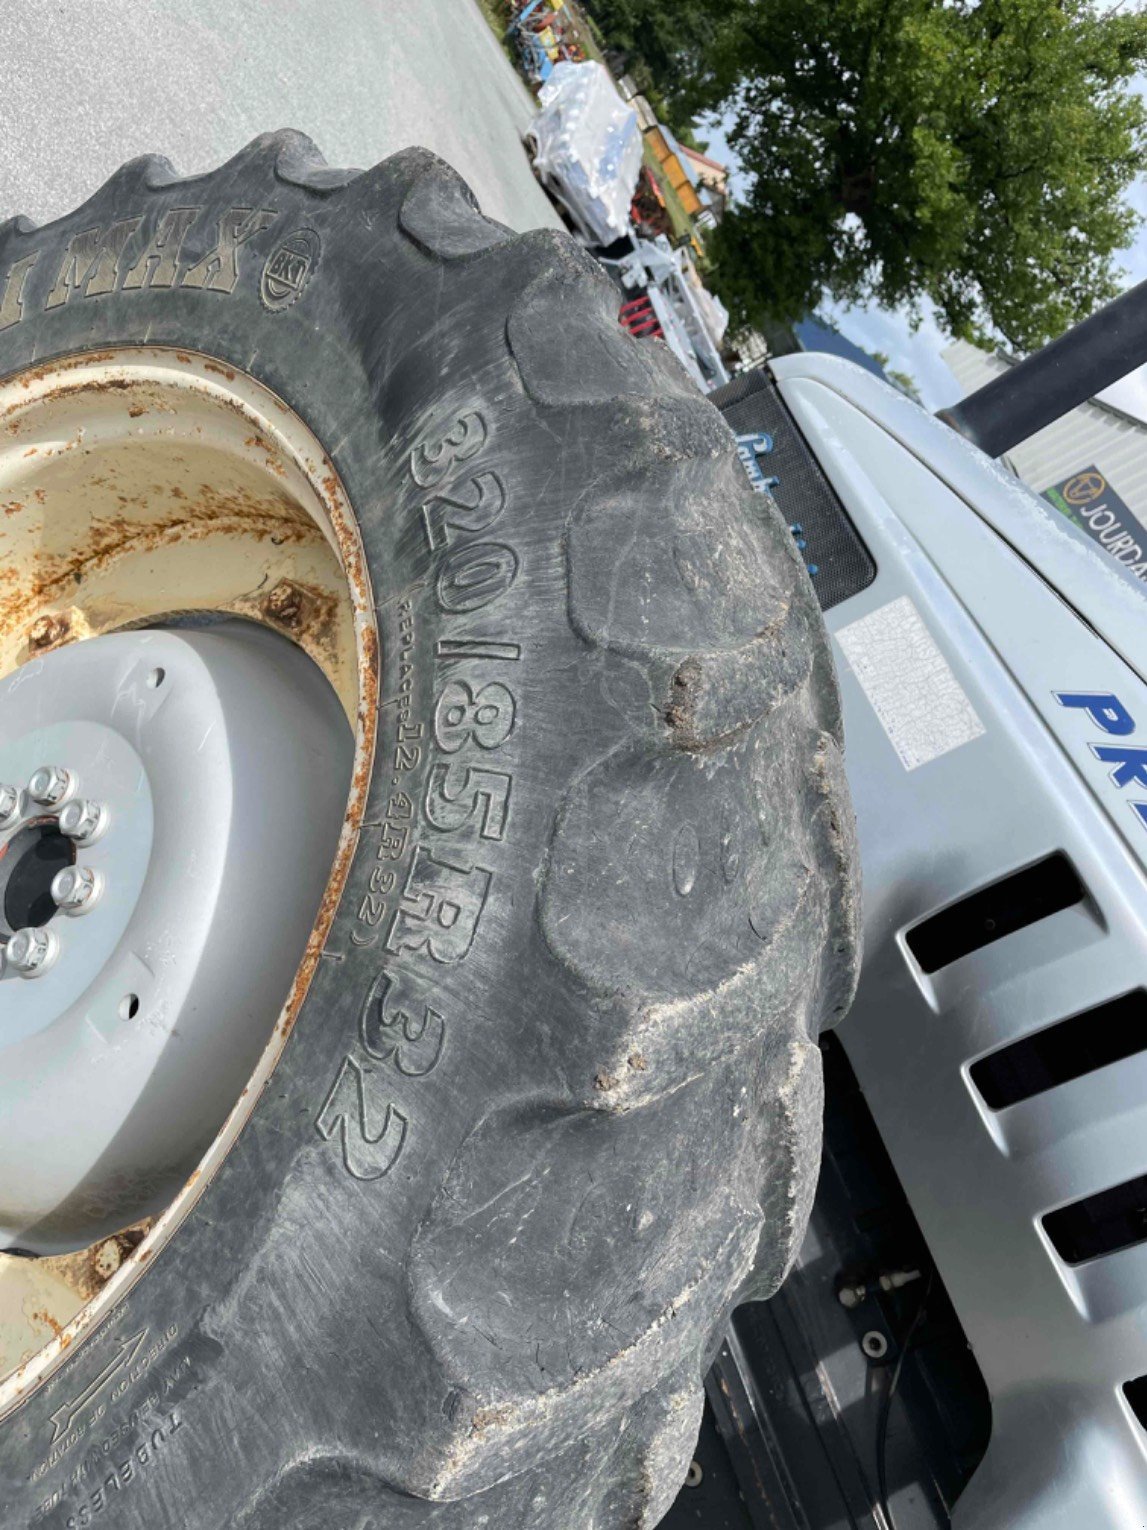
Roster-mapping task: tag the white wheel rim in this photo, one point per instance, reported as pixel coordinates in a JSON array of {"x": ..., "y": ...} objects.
[{"x": 137, "y": 483}]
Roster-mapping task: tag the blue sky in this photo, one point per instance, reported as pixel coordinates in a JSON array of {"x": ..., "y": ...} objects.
[{"x": 918, "y": 353}]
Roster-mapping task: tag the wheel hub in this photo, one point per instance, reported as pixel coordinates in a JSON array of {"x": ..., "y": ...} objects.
[
  {"x": 44, "y": 827},
  {"x": 169, "y": 806}
]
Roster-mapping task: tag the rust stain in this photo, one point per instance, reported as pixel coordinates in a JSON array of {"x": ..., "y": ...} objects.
[
  {"x": 370, "y": 652},
  {"x": 65, "y": 389},
  {"x": 46, "y": 1318},
  {"x": 65, "y": 364},
  {"x": 108, "y": 538}
]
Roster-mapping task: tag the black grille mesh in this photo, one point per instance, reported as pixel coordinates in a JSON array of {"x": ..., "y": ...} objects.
[{"x": 844, "y": 567}]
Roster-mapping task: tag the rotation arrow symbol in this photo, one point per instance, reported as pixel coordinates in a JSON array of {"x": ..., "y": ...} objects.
[{"x": 65, "y": 1416}]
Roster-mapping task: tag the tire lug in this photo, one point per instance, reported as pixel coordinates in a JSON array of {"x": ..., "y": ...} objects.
[
  {"x": 75, "y": 889},
  {"x": 11, "y": 805},
  {"x": 30, "y": 952},
  {"x": 50, "y": 785},
  {"x": 83, "y": 820}
]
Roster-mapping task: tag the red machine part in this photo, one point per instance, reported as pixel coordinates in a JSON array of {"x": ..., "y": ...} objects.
[{"x": 638, "y": 317}]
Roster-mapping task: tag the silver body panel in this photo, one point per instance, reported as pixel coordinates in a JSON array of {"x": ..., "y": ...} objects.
[{"x": 963, "y": 541}]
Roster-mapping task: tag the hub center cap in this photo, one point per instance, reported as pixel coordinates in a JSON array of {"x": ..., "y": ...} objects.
[
  {"x": 153, "y": 911},
  {"x": 30, "y": 861}
]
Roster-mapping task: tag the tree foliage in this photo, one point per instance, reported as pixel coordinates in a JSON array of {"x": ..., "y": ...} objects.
[
  {"x": 973, "y": 152},
  {"x": 669, "y": 46}
]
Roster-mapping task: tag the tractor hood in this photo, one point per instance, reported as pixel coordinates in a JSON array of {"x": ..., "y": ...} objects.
[
  {"x": 995, "y": 717},
  {"x": 1101, "y": 591}
]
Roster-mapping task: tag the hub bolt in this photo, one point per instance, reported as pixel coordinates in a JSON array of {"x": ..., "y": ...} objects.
[
  {"x": 76, "y": 888},
  {"x": 83, "y": 821},
  {"x": 46, "y": 630},
  {"x": 285, "y": 604},
  {"x": 31, "y": 952},
  {"x": 11, "y": 805},
  {"x": 50, "y": 785}
]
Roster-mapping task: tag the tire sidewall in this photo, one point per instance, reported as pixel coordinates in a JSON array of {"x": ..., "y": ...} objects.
[
  {"x": 399, "y": 1276},
  {"x": 381, "y": 364}
]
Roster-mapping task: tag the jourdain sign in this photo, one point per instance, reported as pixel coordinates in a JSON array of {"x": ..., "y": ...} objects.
[{"x": 1089, "y": 501}]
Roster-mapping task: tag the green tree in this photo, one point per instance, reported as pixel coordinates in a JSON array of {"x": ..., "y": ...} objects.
[
  {"x": 669, "y": 46},
  {"x": 972, "y": 152}
]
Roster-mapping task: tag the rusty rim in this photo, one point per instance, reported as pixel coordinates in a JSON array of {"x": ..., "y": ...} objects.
[{"x": 137, "y": 484}]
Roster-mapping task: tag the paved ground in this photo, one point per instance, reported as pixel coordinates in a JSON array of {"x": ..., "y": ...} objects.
[{"x": 87, "y": 84}]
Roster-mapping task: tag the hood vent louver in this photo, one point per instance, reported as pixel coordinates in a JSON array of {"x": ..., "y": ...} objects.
[
  {"x": 1108, "y": 1033},
  {"x": 1136, "y": 1395},
  {"x": 1099, "y": 1224},
  {"x": 1011, "y": 904}
]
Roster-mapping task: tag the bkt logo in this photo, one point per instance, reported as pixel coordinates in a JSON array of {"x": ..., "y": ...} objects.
[{"x": 1129, "y": 760}]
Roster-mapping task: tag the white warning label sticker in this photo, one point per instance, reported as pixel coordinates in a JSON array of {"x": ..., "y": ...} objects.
[{"x": 922, "y": 706}]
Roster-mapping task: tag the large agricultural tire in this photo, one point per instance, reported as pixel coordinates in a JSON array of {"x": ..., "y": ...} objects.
[{"x": 474, "y": 1279}]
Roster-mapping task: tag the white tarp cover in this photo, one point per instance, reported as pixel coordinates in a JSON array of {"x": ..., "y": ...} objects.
[
  {"x": 587, "y": 145},
  {"x": 714, "y": 312}
]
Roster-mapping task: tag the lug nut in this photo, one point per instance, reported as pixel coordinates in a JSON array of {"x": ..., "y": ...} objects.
[
  {"x": 76, "y": 888},
  {"x": 31, "y": 952},
  {"x": 83, "y": 821},
  {"x": 11, "y": 805},
  {"x": 50, "y": 785}
]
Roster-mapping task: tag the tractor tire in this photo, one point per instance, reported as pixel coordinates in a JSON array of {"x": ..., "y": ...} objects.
[{"x": 474, "y": 1279}]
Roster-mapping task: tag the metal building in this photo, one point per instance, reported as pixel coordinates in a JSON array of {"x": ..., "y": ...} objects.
[{"x": 1091, "y": 464}]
